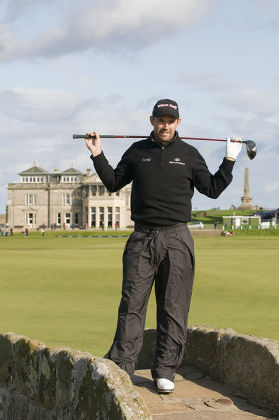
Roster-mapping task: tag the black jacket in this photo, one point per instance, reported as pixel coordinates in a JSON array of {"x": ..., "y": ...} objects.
[{"x": 163, "y": 179}]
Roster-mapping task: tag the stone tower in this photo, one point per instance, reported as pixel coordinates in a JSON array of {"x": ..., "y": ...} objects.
[{"x": 246, "y": 199}]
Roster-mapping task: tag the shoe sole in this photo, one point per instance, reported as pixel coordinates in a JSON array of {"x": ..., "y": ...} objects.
[
  {"x": 165, "y": 391},
  {"x": 162, "y": 391}
]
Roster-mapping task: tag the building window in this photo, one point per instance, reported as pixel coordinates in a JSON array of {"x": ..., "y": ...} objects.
[
  {"x": 30, "y": 219},
  {"x": 101, "y": 189},
  {"x": 30, "y": 199},
  {"x": 37, "y": 179},
  {"x": 67, "y": 199},
  {"x": 76, "y": 219},
  {"x": 93, "y": 189},
  {"x": 59, "y": 218},
  {"x": 93, "y": 216},
  {"x": 68, "y": 218},
  {"x": 118, "y": 193},
  {"x": 86, "y": 215},
  {"x": 69, "y": 178},
  {"x": 102, "y": 217},
  {"x": 109, "y": 217}
]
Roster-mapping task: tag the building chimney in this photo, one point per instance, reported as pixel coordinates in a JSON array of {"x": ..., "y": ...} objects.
[{"x": 88, "y": 172}]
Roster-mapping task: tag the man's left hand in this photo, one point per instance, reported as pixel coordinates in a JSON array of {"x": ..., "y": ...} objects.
[{"x": 234, "y": 146}]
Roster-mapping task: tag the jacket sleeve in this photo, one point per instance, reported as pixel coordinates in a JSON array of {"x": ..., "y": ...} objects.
[
  {"x": 212, "y": 185},
  {"x": 114, "y": 179}
]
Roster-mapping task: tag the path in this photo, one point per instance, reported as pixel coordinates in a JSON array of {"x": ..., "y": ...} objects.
[{"x": 197, "y": 397}]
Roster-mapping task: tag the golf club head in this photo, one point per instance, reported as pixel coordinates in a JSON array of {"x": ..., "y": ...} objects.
[{"x": 251, "y": 148}]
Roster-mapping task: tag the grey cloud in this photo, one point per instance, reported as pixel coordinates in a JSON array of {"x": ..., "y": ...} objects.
[
  {"x": 113, "y": 24},
  {"x": 40, "y": 105},
  {"x": 262, "y": 103},
  {"x": 208, "y": 81},
  {"x": 14, "y": 9}
]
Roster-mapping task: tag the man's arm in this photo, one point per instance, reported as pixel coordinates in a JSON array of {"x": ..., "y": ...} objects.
[
  {"x": 213, "y": 185},
  {"x": 113, "y": 179}
]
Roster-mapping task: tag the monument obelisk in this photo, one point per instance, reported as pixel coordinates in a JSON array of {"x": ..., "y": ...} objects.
[{"x": 246, "y": 199}]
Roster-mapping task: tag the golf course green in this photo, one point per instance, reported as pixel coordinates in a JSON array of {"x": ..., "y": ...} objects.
[{"x": 66, "y": 291}]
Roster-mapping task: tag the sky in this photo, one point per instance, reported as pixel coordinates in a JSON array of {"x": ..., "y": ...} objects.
[{"x": 71, "y": 67}]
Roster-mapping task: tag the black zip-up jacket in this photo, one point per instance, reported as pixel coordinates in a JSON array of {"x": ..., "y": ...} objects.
[{"x": 163, "y": 178}]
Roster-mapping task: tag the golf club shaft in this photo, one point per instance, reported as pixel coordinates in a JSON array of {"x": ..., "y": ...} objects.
[{"x": 112, "y": 136}]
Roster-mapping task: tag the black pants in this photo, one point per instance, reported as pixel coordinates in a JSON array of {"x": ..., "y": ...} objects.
[{"x": 164, "y": 255}]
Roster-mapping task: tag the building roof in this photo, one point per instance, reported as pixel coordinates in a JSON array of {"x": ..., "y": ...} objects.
[
  {"x": 34, "y": 170},
  {"x": 71, "y": 171}
]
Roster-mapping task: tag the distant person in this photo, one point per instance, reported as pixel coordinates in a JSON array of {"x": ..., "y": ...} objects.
[
  {"x": 164, "y": 171},
  {"x": 43, "y": 231}
]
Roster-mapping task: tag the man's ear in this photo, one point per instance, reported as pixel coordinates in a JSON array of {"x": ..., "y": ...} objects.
[
  {"x": 152, "y": 120},
  {"x": 178, "y": 121}
]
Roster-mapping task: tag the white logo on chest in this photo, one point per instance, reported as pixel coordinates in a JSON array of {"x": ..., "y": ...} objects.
[{"x": 177, "y": 161}]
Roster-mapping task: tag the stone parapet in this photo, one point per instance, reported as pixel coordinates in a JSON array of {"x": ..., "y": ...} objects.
[{"x": 43, "y": 383}]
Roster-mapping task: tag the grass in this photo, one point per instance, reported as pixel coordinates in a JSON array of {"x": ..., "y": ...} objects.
[
  {"x": 66, "y": 291},
  {"x": 216, "y": 216}
]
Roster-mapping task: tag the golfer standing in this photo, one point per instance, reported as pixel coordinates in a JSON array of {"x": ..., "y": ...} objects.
[{"x": 164, "y": 171}]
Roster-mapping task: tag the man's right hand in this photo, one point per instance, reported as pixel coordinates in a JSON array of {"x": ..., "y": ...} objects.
[{"x": 94, "y": 144}]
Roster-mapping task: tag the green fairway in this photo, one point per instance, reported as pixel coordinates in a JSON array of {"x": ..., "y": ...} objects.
[{"x": 66, "y": 291}]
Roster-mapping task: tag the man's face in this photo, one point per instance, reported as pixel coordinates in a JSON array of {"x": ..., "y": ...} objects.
[{"x": 164, "y": 127}]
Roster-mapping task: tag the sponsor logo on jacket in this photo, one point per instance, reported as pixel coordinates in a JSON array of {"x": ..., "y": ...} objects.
[{"x": 177, "y": 161}]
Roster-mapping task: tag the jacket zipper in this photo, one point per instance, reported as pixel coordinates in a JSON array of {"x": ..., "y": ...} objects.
[{"x": 162, "y": 156}]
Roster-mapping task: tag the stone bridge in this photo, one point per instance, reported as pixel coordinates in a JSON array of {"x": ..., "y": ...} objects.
[{"x": 224, "y": 375}]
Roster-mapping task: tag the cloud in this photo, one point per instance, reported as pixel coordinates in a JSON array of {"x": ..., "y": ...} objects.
[
  {"x": 111, "y": 24},
  {"x": 211, "y": 82},
  {"x": 262, "y": 103},
  {"x": 40, "y": 105}
]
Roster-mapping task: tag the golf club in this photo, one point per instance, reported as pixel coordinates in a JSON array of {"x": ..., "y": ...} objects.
[{"x": 251, "y": 147}]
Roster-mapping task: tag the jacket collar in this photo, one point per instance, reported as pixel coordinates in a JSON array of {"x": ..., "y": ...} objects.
[{"x": 151, "y": 138}]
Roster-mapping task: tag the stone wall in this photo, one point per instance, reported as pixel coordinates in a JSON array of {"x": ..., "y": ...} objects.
[
  {"x": 43, "y": 383},
  {"x": 248, "y": 363}
]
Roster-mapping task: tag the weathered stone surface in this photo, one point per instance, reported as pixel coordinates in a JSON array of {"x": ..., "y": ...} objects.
[
  {"x": 43, "y": 383},
  {"x": 201, "y": 398},
  {"x": 202, "y": 349},
  {"x": 252, "y": 365},
  {"x": 248, "y": 363},
  {"x": 37, "y": 382}
]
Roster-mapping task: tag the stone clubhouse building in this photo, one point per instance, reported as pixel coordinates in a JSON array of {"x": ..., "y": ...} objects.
[{"x": 65, "y": 199}]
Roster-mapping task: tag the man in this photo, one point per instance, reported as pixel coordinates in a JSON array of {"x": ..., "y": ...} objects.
[{"x": 164, "y": 171}]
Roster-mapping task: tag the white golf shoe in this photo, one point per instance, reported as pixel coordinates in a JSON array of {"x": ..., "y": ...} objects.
[{"x": 164, "y": 386}]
